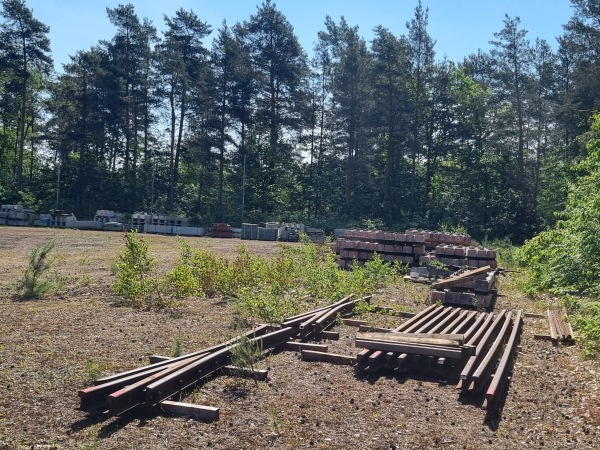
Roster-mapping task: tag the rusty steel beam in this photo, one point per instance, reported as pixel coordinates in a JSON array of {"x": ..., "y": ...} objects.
[
  {"x": 309, "y": 322},
  {"x": 461, "y": 327},
  {"x": 94, "y": 397},
  {"x": 501, "y": 374},
  {"x": 459, "y": 320},
  {"x": 131, "y": 395},
  {"x": 484, "y": 330},
  {"x": 192, "y": 373},
  {"x": 423, "y": 320},
  {"x": 416, "y": 318},
  {"x": 468, "y": 368},
  {"x": 431, "y": 324},
  {"x": 262, "y": 329},
  {"x": 485, "y": 367},
  {"x": 454, "y": 312}
]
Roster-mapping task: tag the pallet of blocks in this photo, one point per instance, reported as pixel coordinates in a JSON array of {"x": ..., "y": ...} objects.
[{"x": 360, "y": 246}]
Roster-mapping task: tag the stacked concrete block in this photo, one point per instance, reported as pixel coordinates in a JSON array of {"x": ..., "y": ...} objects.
[
  {"x": 361, "y": 245},
  {"x": 267, "y": 234},
  {"x": 16, "y": 215},
  {"x": 315, "y": 234},
  {"x": 105, "y": 215},
  {"x": 85, "y": 225},
  {"x": 461, "y": 256},
  {"x": 188, "y": 231},
  {"x": 448, "y": 297},
  {"x": 249, "y": 231},
  {"x": 290, "y": 232}
]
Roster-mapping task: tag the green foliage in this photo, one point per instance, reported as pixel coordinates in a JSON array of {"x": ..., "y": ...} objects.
[
  {"x": 567, "y": 257},
  {"x": 246, "y": 353},
  {"x": 34, "y": 284},
  {"x": 181, "y": 282},
  {"x": 93, "y": 370},
  {"x": 270, "y": 289},
  {"x": 177, "y": 349},
  {"x": 584, "y": 315},
  {"x": 136, "y": 282}
]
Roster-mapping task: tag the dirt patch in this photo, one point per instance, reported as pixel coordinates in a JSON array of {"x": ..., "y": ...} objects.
[{"x": 48, "y": 349}]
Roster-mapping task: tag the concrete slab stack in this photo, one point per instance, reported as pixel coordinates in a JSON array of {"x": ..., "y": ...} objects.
[
  {"x": 249, "y": 231},
  {"x": 361, "y": 245},
  {"x": 16, "y": 215}
]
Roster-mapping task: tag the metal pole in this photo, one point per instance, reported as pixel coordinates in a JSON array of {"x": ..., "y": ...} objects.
[
  {"x": 243, "y": 189},
  {"x": 58, "y": 183}
]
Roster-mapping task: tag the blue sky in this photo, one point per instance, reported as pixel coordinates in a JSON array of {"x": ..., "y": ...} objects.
[{"x": 460, "y": 27}]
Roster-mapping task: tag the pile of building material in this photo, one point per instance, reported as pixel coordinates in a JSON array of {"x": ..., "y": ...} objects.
[
  {"x": 16, "y": 215},
  {"x": 221, "y": 230},
  {"x": 433, "y": 239},
  {"x": 560, "y": 329},
  {"x": 475, "y": 287},
  {"x": 315, "y": 234},
  {"x": 461, "y": 256},
  {"x": 153, "y": 385},
  {"x": 439, "y": 339},
  {"x": 360, "y": 246},
  {"x": 163, "y": 224},
  {"x": 105, "y": 215},
  {"x": 249, "y": 231},
  {"x": 290, "y": 232},
  {"x": 61, "y": 219}
]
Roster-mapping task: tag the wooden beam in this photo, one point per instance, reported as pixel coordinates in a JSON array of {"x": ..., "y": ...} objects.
[
  {"x": 371, "y": 329},
  {"x": 416, "y": 349},
  {"x": 299, "y": 346},
  {"x": 462, "y": 277},
  {"x": 310, "y": 355},
  {"x": 408, "y": 338},
  {"x": 355, "y": 322},
  {"x": 197, "y": 412},
  {"x": 333, "y": 335}
]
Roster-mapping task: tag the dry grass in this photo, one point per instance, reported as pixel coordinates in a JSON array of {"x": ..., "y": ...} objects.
[{"x": 52, "y": 347}]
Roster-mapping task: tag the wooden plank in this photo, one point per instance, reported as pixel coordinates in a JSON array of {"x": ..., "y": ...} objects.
[
  {"x": 299, "y": 346},
  {"x": 197, "y": 412},
  {"x": 407, "y": 338},
  {"x": 355, "y": 322},
  {"x": 311, "y": 355},
  {"x": 245, "y": 372},
  {"x": 415, "y": 349},
  {"x": 376, "y": 361},
  {"x": 333, "y": 335},
  {"x": 462, "y": 277},
  {"x": 551, "y": 326},
  {"x": 372, "y": 329}
]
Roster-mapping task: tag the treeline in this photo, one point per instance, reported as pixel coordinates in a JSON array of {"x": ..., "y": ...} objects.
[{"x": 378, "y": 133}]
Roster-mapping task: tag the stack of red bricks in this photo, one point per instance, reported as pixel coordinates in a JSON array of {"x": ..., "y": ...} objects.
[{"x": 360, "y": 246}]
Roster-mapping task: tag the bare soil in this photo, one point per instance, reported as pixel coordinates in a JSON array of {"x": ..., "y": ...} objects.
[{"x": 49, "y": 347}]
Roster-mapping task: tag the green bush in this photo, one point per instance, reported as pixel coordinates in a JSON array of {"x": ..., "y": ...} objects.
[
  {"x": 136, "y": 279},
  {"x": 34, "y": 284}
]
